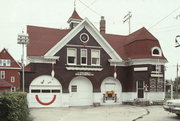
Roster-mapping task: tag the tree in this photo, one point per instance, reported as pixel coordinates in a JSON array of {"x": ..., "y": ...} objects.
[{"x": 177, "y": 84}]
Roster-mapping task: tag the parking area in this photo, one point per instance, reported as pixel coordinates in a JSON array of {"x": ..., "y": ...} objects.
[{"x": 103, "y": 113}]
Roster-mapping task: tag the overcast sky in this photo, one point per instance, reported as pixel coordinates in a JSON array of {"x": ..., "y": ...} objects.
[{"x": 158, "y": 16}]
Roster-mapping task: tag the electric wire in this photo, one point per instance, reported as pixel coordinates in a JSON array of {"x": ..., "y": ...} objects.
[{"x": 164, "y": 18}]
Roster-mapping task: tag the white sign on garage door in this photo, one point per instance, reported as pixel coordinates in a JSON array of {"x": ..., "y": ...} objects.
[
  {"x": 81, "y": 91},
  {"x": 45, "y": 91}
]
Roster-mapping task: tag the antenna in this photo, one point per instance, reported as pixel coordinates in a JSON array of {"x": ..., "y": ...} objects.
[{"x": 128, "y": 18}]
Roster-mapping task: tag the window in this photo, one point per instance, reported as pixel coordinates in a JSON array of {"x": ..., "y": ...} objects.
[
  {"x": 156, "y": 51},
  {"x": 156, "y": 68},
  {"x": 83, "y": 57},
  {"x": 12, "y": 79},
  {"x": 4, "y": 62},
  {"x": 95, "y": 57},
  {"x": 74, "y": 88},
  {"x": 13, "y": 89},
  {"x": 8, "y": 62},
  {"x": 2, "y": 75},
  {"x": 46, "y": 91},
  {"x": 56, "y": 91},
  {"x": 71, "y": 56},
  {"x": 35, "y": 91}
]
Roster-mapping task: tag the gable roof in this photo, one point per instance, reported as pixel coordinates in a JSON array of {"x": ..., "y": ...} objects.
[
  {"x": 94, "y": 32},
  {"x": 52, "y": 40},
  {"x": 43, "y": 39},
  {"x": 3, "y": 83},
  {"x": 4, "y": 54}
]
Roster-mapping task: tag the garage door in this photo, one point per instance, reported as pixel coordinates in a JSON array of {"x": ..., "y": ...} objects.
[
  {"x": 80, "y": 92},
  {"x": 111, "y": 91},
  {"x": 45, "y": 91}
]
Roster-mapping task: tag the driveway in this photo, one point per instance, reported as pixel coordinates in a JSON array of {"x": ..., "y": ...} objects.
[{"x": 102, "y": 113}]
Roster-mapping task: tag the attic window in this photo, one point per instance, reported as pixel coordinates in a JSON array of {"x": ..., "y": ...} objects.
[{"x": 156, "y": 51}]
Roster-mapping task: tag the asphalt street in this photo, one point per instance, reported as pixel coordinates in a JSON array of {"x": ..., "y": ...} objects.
[{"x": 103, "y": 113}]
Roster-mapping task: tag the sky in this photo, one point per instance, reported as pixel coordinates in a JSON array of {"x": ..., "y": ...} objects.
[{"x": 158, "y": 16}]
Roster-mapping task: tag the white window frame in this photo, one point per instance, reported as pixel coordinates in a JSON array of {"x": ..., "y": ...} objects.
[
  {"x": 99, "y": 57},
  {"x": 13, "y": 79},
  {"x": 2, "y": 73},
  {"x": 82, "y": 56},
  {"x": 75, "y": 61},
  {"x": 1, "y": 62},
  {"x": 5, "y": 62},
  {"x": 156, "y": 48},
  {"x": 8, "y": 62},
  {"x": 13, "y": 89}
]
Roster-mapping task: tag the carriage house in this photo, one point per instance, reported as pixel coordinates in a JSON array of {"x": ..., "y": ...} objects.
[{"x": 82, "y": 65}]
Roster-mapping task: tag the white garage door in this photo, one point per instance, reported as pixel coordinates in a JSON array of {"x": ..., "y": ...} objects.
[
  {"x": 80, "y": 92},
  {"x": 109, "y": 88},
  {"x": 45, "y": 91}
]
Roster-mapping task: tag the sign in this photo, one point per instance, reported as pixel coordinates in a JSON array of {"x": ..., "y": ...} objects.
[{"x": 84, "y": 74}]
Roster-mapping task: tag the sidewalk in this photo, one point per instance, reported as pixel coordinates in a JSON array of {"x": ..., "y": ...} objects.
[{"x": 102, "y": 113}]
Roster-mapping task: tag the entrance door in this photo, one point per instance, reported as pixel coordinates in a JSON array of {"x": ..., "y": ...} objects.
[
  {"x": 81, "y": 92},
  {"x": 140, "y": 89}
]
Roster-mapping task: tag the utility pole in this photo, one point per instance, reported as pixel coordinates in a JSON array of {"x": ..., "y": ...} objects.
[
  {"x": 178, "y": 36},
  {"x": 128, "y": 18}
]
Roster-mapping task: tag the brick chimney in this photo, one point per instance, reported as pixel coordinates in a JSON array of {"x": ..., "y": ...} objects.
[{"x": 102, "y": 25}]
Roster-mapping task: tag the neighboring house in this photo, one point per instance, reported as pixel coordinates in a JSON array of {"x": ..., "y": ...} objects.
[
  {"x": 81, "y": 65},
  {"x": 9, "y": 72}
]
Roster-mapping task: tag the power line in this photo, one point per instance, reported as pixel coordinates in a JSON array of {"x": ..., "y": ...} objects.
[
  {"x": 164, "y": 18},
  {"x": 90, "y": 8},
  {"x": 89, "y": 5}
]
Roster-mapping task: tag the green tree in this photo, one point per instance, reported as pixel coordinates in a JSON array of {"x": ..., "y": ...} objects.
[{"x": 177, "y": 84}]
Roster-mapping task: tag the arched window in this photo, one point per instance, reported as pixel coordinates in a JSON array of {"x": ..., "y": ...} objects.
[{"x": 156, "y": 51}]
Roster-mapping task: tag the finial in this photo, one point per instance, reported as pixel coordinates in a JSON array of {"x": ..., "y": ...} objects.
[{"x": 74, "y": 4}]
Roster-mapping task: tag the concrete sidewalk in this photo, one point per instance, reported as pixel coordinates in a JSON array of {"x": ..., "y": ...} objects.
[{"x": 102, "y": 113}]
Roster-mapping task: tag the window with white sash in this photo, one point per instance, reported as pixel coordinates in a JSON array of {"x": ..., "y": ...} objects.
[
  {"x": 83, "y": 57},
  {"x": 95, "y": 57},
  {"x": 5, "y": 62},
  {"x": 71, "y": 56},
  {"x": 2, "y": 74}
]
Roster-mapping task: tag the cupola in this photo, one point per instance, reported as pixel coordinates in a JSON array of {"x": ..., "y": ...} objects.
[{"x": 74, "y": 20}]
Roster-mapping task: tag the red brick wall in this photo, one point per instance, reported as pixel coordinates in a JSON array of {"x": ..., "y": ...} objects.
[{"x": 12, "y": 72}]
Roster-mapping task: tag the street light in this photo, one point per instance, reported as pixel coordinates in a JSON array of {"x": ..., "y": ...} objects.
[{"x": 23, "y": 40}]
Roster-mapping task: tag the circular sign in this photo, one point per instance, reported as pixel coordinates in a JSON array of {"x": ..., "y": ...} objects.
[{"x": 84, "y": 37}]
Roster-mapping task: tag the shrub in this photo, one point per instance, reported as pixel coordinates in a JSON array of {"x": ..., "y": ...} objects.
[{"x": 13, "y": 107}]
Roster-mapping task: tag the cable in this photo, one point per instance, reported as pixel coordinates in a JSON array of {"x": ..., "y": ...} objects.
[
  {"x": 164, "y": 18},
  {"x": 89, "y": 5},
  {"x": 90, "y": 8}
]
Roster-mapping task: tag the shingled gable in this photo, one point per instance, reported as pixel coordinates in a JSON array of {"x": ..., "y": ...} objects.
[
  {"x": 4, "y": 54},
  {"x": 94, "y": 32}
]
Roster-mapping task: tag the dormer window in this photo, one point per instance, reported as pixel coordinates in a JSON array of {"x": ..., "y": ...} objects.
[
  {"x": 71, "y": 56},
  {"x": 156, "y": 51}
]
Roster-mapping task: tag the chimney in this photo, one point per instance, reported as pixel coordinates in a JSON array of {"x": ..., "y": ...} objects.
[{"x": 102, "y": 25}]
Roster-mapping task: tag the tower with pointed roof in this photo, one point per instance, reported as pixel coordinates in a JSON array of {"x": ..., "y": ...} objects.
[{"x": 74, "y": 20}]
